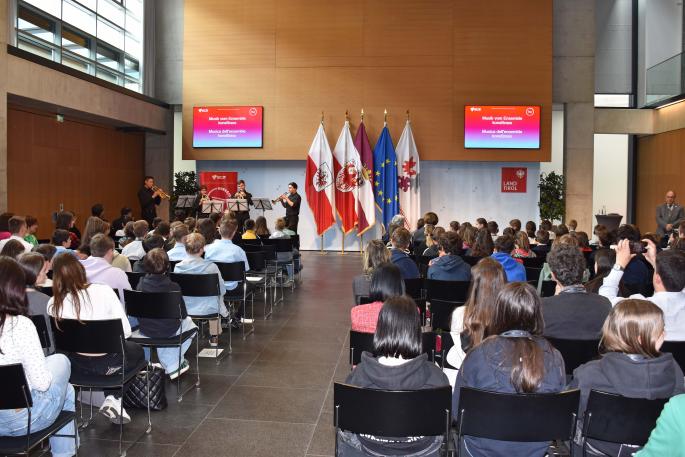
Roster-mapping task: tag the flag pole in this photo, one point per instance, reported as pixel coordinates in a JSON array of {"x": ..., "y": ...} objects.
[
  {"x": 342, "y": 251},
  {"x": 385, "y": 117},
  {"x": 361, "y": 236},
  {"x": 322, "y": 251}
]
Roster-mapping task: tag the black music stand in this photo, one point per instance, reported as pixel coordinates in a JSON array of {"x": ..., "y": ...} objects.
[
  {"x": 262, "y": 203},
  {"x": 237, "y": 204},
  {"x": 212, "y": 206},
  {"x": 186, "y": 203}
]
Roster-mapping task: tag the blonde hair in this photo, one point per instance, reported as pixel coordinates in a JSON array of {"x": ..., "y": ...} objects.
[
  {"x": 432, "y": 238},
  {"x": 633, "y": 327},
  {"x": 194, "y": 243},
  {"x": 522, "y": 241},
  {"x": 280, "y": 223},
  {"x": 375, "y": 254}
]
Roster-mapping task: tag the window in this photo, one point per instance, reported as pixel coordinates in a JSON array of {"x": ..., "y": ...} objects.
[{"x": 103, "y": 38}]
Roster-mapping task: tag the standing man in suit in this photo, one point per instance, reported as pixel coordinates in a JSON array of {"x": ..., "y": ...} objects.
[
  {"x": 149, "y": 199},
  {"x": 242, "y": 216},
  {"x": 668, "y": 215}
]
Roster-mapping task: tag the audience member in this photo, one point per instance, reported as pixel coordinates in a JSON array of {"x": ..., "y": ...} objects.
[
  {"x": 449, "y": 266},
  {"x": 631, "y": 364},
  {"x": 546, "y": 272},
  {"x": 454, "y": 226},
  {"x": 190, "y": 222},
  {"x": 482, "y": 245},
  {"x": 541, "y": 247},
  {"x": 531, "y": 228},
  {"x": 572, "y": 313},
  {"x": 12, "y": 248},
  {"x": 386, "y": 282},
  {"x": 279, "y": 229},
  {"x": 202, "y": 306},
  {"x": 163, "y": 229},
  {"x": 18, "y": 230},
  {"x": 4, "y": 225},
  {"x": 522, "y": 246},
  {"x": 481, "y": 223},
  {"x": 572, "y": 225},
  {"x": 375, "y": 255},
  {"x": 178, "y": 252},
  {"x": 134, "y": 250},
  {"x": 636, "y": 274},
  {"x": 249, "y": 232},
  {"x": 397, "y": 363},
  {"x": 432, "y": 242},
  {"x": 419, "y": 236},
  {"x": 514, "y": 359},
  {"x": 129, "y": 236},
  {"x": 207, "y": 228},
  {"x": 149, "y": 243},
  {"x": 546, "y": 225},
  {"x": 48, "y": 251},
  {"x": 468, "y": 236},
  {"x": 47, "y": 377},
  {"x": 31, "y": 229},
  {"x": 66, "y": 220},
  {"x": 583, "y": 242},
  {"x": 62, "y": 240},
  {"x": 560, "y": 231},
  {"x": 35, "y": 271},
  {"x": 605, "y": 259},
  {"x": 420, "y": 246},
  {"x": 118, "y": 224},
  {"x": 398, "y": 254},
  {"x": 508, "y": 231},
  {"x": 668, "y": 438},
  {"x": 514, "y": 270},
  {"x": 156, "y": 264},
  {"x": 668, "y": 281},
  {"x": 515, "y": 224},
  {"x": 94, "y": 226},
  {"x": 261, "y": 230},
  {"x": 98, "y": 210},
  {"x": 74, "y": 298},
  {"x": 493, "y": 228},
  {"x": 99, "y": 269}
]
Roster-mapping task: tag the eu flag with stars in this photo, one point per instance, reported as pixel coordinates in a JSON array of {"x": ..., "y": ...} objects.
[{"x": 385, "y": 177}]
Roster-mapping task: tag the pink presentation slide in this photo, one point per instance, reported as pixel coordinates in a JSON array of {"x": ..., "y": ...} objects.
[
  {"x": 228, "y": 126},
  {"x": 502, "y": 127}
]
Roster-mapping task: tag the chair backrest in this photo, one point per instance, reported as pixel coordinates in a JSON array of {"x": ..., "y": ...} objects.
[
  {"x": 443, "y": 344},
  {"x": 441, "y": 314},
  {"x": 677, "y": 349},
  {"x": 359, "y": 342},
  {"x": 269, "y": 251},
  {"x": 284, "y": 245},
  {"x": 548, "y": 288},
  {"x": 197, "y": 285},
  {"x": 252, "y": 247},
  {"x": 233, "y": 271},
  {"x": 414, "y": 287},
  {"x": 248, "y": 242},
  {"x": 534, "y": 262},
  {"x": 392, "y": 413},
  {"x": 134, "y": 278},
  {"x": 450, "y": 291},
  {"x": 172, "y": 264},
  {"x": 256, "y": 260},
  {"x": 471, "y": 260},
  {"x": 154, "y": 305},
  {"x": 41, "y": 324},
  {"x": 16, "y": 393},
  {"x": 363, "y": 300},
  {"x": 575, "y": 352},
  {"x": 295, "y": 240},
  {"x": 533, "y": 273},
  {"x": 268, "y": 241},
  {"x": 517, "y": 417},
  {"x": 90, "y": 337},
  {"x": 618, "y": 419},
  {"x": 46, "y": 290}
]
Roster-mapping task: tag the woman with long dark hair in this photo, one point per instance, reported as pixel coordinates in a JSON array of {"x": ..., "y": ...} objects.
[
  {"x": 515, "y": 358},
  {"x": 386, "y": 282},
  {"x": 48, "y": 377},
  {"x": 375, "y": 255},
  {"x": 483, "y": 245},
  {"x": 604, "y": 261},
  {"x": 66, "y": 220}
]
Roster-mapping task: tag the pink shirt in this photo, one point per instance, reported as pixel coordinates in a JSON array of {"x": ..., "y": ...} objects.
[{"x": 365, "y": 317}]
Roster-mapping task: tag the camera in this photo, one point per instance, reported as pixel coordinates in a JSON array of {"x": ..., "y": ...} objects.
[{"x": 638, "y": 247}]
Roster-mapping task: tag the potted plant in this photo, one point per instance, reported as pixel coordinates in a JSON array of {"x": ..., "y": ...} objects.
[
  {"x": 185, "y": 183},
  {"x": 552, "y": 196}
]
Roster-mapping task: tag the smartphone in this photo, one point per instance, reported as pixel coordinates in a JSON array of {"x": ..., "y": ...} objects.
[{"x": 638, "y": 247}]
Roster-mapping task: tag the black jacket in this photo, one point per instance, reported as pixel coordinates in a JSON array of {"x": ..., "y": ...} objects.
[
  {"x": 575, "y": 316},
  {"x": 159, "y": 328},
  {"x": 295, "y": 209},
  {"x": 148, "y": 204}
]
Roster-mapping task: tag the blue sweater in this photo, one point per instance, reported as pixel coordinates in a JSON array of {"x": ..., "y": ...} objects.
[
  {"x": 407, "y": 267},
  {"x": 513, "y": 270},
  {"x": 449, "y": 268}
]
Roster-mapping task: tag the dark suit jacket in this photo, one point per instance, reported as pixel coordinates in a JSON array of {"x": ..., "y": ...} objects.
[
  {"x": 575, "y": 316},
  {"x": 665, "y": 216}
]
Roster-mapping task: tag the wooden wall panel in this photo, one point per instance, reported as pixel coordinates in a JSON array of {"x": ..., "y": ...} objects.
[
  {"x": 299, "y": 57},
  {"x": 660, "y": 167},
  {"x": 73, "y": 163}
]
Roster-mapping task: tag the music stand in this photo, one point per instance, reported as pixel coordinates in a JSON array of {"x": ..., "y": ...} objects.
[
  {"x": 237, "y": 204},
  {"x": 262, "y": 203},
  {"x": 185, "y": 201},
  {"x": 212, "y": 206}
]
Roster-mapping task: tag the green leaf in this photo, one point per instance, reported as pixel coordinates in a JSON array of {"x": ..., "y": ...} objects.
[{"x": 552, "y": 196}]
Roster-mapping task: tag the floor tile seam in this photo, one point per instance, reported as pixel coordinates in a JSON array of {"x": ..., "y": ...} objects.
[{"x": 252, "y": 386}]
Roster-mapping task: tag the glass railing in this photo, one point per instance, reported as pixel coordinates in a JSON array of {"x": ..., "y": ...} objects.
[{"x": 664, "y": 80}]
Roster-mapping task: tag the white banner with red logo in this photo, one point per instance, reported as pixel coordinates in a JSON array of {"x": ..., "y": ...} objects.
[
  {"x": 408, "y": 187},
  {"x": 319, "y": 182},
  {"x": 220, "y": 184},
  {"x": 346, "y": 167},
  {"x": 514, "y": 179}
]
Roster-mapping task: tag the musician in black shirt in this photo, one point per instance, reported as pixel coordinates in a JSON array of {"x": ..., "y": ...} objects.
[
  {"x": 242, "y": 216},
  {"x": 291, "y": 202},
  {"x": 149, "y": 198}
]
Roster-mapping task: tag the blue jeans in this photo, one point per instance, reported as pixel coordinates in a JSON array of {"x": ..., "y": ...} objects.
[
  {"x": 46, "y": 407},
  {"x": 168, "y": 357}
]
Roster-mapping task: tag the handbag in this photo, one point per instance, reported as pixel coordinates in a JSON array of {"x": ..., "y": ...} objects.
[{"x": 136, "y": 392}]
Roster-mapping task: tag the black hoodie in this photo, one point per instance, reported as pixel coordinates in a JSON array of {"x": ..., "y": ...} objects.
[
  {"x": 629, "y": 376},
  {"x": 415, "y": 374}
]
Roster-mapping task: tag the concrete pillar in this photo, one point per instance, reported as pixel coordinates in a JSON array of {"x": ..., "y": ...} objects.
[
  {"x": 159, "y": 155},
  {"x": 574, "y": 86},
  {"x": 3, "y": 105}
]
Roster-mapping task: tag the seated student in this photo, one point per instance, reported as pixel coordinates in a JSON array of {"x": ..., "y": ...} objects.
[
  {"x": 35, "y": 271},
  {"x": 128, "y": 236},
  {"x": 279, "y": 229},
  {"x": 4, "y": 225},
  {"x": 546, "y": 272},
  {"x": 95, "y": 225},
  {"x": 508, "y": 231},
  {"x": 225, "y": 251},
  {"x": 482, "y": 245},
  {"x": 156, "y": 263},
  {"x": 375, "y": 255},
  {"x": 98, "y": 210},
  {"x": 163, "y": 229},
  {"x": 668, "y": 282},
  {"x": 493, "y": 228},
  {"x": 531, "y": 228},
  {"x": 118, "y": 224},
  {"x": 572, "y": 313},
  {"x": 513, "y": 269},
  {"x": 515, "y": 225},
  {"x": 178, "y": 252},
  {"x": 99, "y": 269},
  {"x": 397, "y": 363},
  {"x": 420, "y": 246},
  {"x": 429, "y": 248},
  {"x": 470, "y": 322},
  {"x": 149, "y": 243},
  {"x": 261, "y": 230},
  {"x": 541, "y": 247},
  {"x": 454, "y": 226},
  {"x": 66, "y": 220},
  {"x": 386, "y": 282},
  {"x": 522, "y": 246},
  {"x": 631, "y": 364},
  {"x": 207, "y": 228},
  {"x": 12, "y": 248},
  {"x": 515, "y": 358},
  {"x": 668, "y": 437},
  {"x": 583, "y": 242},
  {"x": 396, "y": 222},
  {"x": 481, "y": 223},
  {"x": 636, "y": 273},
  {"x": 202, "y": 306},
  {"x": 61, "y": 240},
  {"x": 48, "y": 251},
  {"x": 449, "y": 266},
  {"x": 572, "y": 226},
  {"x": 31, "y": 229},
  {"x": 430, "y": 218},
  {"x": 190, "y": 222},
  {"x": 468, "y": 234},
  {"x": 47, "y": 377},
  {"x": 74, "y": 298},
  {"x": 18, "y": 230},
  {"x": 400, "y": 240},
  {"x": 249, "y": 233},
  {"x": 605, "y": 259},
  {"x": 134, "y": 250}
]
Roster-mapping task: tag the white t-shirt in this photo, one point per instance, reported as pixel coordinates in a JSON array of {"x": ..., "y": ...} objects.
[
  {"x": 19, "y": 343},
  {"x": 98, "y": 303},
  {"x": 27, "y": 246}
]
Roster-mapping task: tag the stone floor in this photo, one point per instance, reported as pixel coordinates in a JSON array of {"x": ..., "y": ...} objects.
[{"x": 272, "y": 396}]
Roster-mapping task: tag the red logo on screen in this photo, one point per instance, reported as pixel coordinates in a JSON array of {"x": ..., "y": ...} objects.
[
  {"x": 253, "y": 111},
  {"x": 530, "y": 111},
  {"x": 514, "y": 179}
]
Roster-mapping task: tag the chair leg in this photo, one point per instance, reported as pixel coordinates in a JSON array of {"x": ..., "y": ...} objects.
[
  {"x": 147, "y": 383},
  {"x": 121, "y": 422},
  {"x": 75, "y": 436}
]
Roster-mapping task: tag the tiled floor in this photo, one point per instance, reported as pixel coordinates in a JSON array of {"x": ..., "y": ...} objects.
[{"x": 272, "y": 396}]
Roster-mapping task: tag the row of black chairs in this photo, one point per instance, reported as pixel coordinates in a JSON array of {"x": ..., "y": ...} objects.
[{"x": 492, "y": 415}]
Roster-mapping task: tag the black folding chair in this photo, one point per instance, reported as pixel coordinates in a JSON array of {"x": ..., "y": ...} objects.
[
  {"x": 575, "y": 352},
  {"x": 204, "y": 285},
  {"x": 389, "y": 413},
  {"x": 517, "y": 417},
  {"x": 444, "y": 297},
  {"x": 285, "y": 257},
  {"x": 533, "y": 262},
  {"x": 235, "y": 272},
  {"x": 533, "y": 274},
  {"x": 46, "y": 290},
  {"x": 359, "y": 342},
  {"x": 443, "y": 344},
  {"x": 163, "y": 305},
  {"x": 617, "y": 419},
  {"x": 422, "y": 262},
  {"x": 41, "y": 324},
  {"x": 272, "y": 270},
  {"x": 15, "y": 394},
  {"x": 98, "y": 337},
  {"x": 677, "y": 349},
  {"x": 252, "y": 247},
  {"x": 414, "y": 288},
  {"x": 471, "y": 260},
  {"x": 134, "y": 278},
  {"x": 258, "y": 271},
  {"x": 549, "y": 288},
  {"x": 364, "y": 300}
]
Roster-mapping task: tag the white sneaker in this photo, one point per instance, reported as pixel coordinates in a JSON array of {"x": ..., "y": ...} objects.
[
  {"x": 245, "y": 320},
  {"x": 111, "y": 408}
]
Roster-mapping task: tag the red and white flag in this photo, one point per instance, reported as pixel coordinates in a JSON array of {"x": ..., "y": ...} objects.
[
  {"x": 366, "y": 205},
  {"x": 346, "y": 169},
  {"x": 408, "y": 186},
  {"x": 319, "y": 182}
]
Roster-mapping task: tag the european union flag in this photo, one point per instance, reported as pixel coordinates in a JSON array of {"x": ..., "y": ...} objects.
[{"x": 385, "y": 177}]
